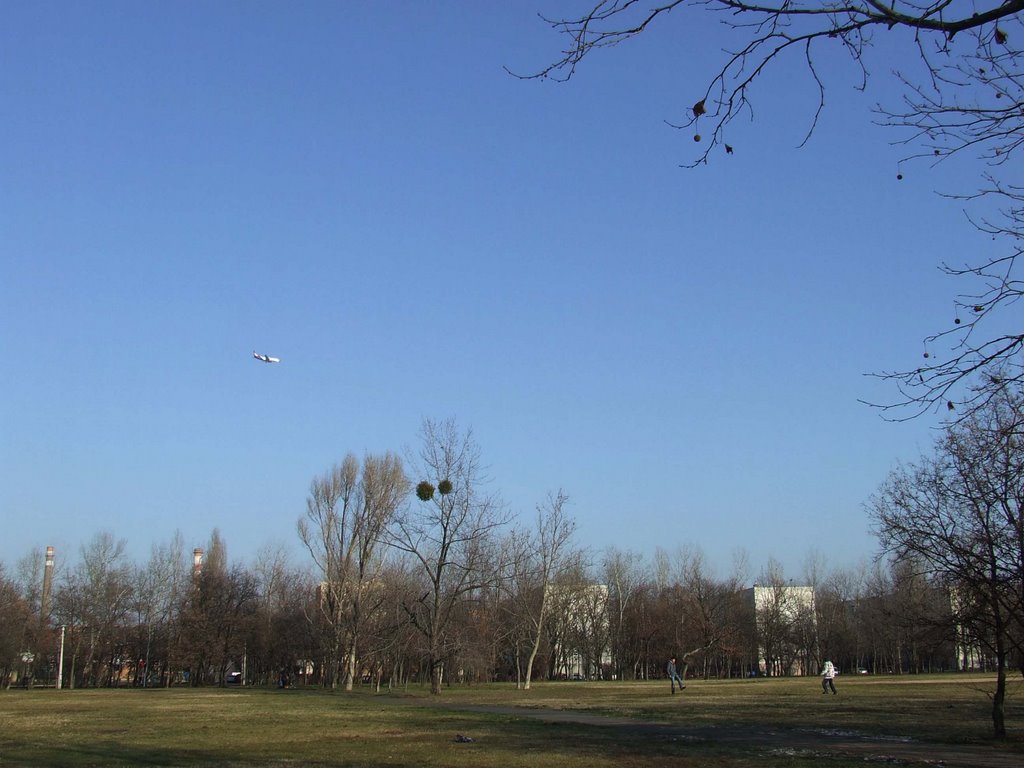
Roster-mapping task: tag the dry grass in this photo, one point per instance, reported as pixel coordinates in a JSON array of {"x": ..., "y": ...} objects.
[{"x": 258, "y": 727}]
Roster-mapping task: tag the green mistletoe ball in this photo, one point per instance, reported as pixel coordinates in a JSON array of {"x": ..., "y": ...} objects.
[{"x": 424, "y": 491}]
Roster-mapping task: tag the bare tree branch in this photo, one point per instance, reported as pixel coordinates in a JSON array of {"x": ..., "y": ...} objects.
[{"x": 967, "y": 98}]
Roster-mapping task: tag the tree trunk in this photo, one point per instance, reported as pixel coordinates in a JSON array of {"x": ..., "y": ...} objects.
[
  {"x": 998, "y": 714},
  {"x": 536, "y": 646},
  {"x": 350, "y": 666},
  {"x": 436, "y": 668},
  {"x": 999, "y": 698},
  {"x": 519, "y": 667}
]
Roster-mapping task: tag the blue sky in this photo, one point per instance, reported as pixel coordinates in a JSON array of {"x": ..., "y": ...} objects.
[{"x": 362, "y": 190}]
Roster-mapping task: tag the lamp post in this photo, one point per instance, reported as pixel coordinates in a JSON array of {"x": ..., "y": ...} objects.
[{"x": 60, "y": 659}]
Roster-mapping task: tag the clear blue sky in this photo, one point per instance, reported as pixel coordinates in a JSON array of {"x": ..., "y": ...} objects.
[{"x": 362, "y": 190}]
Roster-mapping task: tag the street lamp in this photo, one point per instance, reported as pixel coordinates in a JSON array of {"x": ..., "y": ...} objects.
[{"x": 60, "y": 659}]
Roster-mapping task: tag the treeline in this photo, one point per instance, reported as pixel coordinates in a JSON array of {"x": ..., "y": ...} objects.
[
  {"x": 164, "y": 622},
  {"x": 418, "y": 574}
]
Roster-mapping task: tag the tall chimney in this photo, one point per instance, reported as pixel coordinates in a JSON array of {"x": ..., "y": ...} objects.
[
  {"x": 44, "y": 603},
  {"x": 197, "y": 562}
]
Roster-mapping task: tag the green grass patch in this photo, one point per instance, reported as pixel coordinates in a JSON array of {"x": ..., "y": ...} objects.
[{"x": 267, "y": 727}]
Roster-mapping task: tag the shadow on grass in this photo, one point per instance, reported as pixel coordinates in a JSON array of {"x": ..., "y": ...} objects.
[
  {"x": 715, "y": 725},
  {"x": 408, "y": 738}
]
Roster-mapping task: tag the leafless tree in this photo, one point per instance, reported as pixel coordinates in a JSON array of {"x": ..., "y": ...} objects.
[
  {"x": 712, "y": 609},
  {"x": 159, "y": 588},
  {"x": 15, "y": 626},
  {"x": 964, "y": 98},
  {"x": 546, "y": 555},
  {"x": 624, "y": 574},
  {"x": 282, "y": 595},
  {"x": 29, "y": 577},
  {"x": 959, "y": 515},
  {"x": 642, "y": 633},
  {"x": 104, "y": 577},
  {"x": 706, "y": 612},
  {"x": 35, "y": 635},
  {"x": 347, "y": 513},
  {"x": 586, "y": 634},
  {"x": 450, "y": 534},
  {"x": 326, "y": 531},
  {"x": 392, "y": 637},
  {"x": 836, "y": 597},
  {"x": 282, "y": 635},
  {"x": 779, "y": 614},
  {"x": 273, "y": 578},
  {"x": 566, "y": 622},
  {"x": 217, "y": 616}
]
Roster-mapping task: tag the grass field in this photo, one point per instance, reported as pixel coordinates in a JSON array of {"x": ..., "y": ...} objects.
[{"x": 408, "y": 727}]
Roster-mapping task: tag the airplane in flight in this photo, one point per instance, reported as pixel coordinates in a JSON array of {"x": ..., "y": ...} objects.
[{"x": 265, "y": 358}]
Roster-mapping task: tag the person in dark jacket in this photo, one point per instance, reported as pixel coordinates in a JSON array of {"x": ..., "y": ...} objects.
[{"x": 673, "y": 675}]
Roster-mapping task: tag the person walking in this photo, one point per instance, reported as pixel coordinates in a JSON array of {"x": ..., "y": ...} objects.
[
  {"x": 828, "y": 674},
  {"x": 673, "y": 675}
]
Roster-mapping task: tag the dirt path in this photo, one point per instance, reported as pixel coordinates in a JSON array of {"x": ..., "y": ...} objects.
[{"x": 808, "y": 742}]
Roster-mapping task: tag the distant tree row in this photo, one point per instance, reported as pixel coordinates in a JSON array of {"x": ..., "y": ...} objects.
[
  {"x": 418, "y": 574},
  {"x": 165, "y": 623}
]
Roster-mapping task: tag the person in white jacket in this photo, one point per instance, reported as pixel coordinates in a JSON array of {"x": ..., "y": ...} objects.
[{"x": 828, "y": 674}]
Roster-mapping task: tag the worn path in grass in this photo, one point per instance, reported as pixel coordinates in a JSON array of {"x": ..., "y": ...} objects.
[{"x": 804, "y": 742}]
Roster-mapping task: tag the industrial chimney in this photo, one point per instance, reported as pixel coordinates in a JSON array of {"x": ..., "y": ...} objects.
[
  {"x": 197, "y": 562},
  {"x": 44, "y": 603}
]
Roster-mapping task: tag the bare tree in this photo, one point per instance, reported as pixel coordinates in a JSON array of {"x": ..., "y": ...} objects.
[
  {"x": 273, "y": 579},
  {"x": 547, "y": 555},
  {"x": 640, "y": 632},
  {"x": 449, "y": 534},
  {"x": 326, "y": 532},
  {"x": 347, "y": 512},
  {"x": 217, "y": 616},
  {"x": 705, "y": 613},
  {"x": 283, "y": 633},
  {"x": 779, "y": 612},
  {"x": 568, "y": 621},
  {"x": 15, "y": 626},
  {"x": 712, "y": 608},
  {"x": 158, "y": 592},
  {"x": 105, "y": 576},
  {"x": 35, "y": 635},
  {"x": 959, "y": 515},
  {"x": 836, "y": 596},
  {"x": 392, "y": 637},
  {"x": 623, "y": 573},
  {"x": 93, "y": 601},
  {"x": 964, "y": 97}
]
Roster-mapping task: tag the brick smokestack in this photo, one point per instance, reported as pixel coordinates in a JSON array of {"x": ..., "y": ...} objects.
[
  {"x": 44, "y": 603},
  {"x": 197, "y": 562}
]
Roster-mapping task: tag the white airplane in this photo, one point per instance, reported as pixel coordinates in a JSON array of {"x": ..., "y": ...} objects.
[{"x": 265, "y": 358}]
